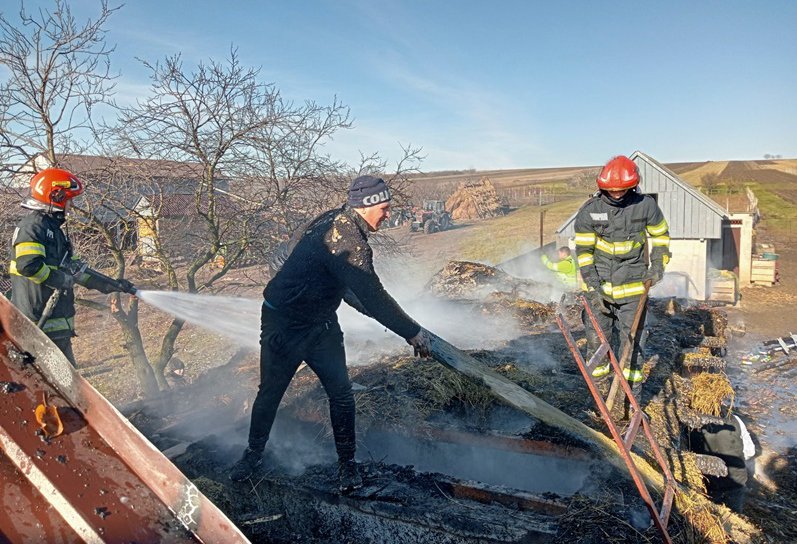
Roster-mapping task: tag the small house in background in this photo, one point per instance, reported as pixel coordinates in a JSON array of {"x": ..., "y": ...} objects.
[
  {"x": 172, "y": 220},
  {"x": 135, "y": 197},
  {"x": 711, "y": 248}
]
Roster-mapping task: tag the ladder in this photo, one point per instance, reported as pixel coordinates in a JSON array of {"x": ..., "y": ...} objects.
[{"x": 638, "y": 419}]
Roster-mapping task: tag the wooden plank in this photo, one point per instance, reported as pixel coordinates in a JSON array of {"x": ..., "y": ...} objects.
[
  {"x": 516, "y": 396},
  {"x": 762, "y": 277},
  {"x": 723, "y": 289},
  {"x": 763, "y": 272}
]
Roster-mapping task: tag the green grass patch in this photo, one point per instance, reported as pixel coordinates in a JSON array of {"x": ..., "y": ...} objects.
[
  {"x": 496, "y": 240},
  {"x": 778, "y": 214}
]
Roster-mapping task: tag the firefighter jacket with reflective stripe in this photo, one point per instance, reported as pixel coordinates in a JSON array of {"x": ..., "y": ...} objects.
[
  {"x": 611, "y": 242},
  {"x": 330, "y": 261},
  {"x": 565, "y": 270},
  {"x": 38, "y": 248}
]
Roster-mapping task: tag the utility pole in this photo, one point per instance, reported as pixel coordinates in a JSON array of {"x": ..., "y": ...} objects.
[{"x": 542, "y": 224}]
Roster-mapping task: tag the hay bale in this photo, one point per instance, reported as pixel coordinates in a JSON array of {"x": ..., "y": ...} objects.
[
  {"x": 709, "y": 391},
  {"x": 475, "y": 200},
  {"x": 699, "y": 359}
]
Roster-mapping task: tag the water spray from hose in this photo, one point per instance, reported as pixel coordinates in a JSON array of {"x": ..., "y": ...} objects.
[{"x": 235, "y": 318}]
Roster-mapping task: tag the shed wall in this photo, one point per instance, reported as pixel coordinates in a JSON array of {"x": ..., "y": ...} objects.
[
  {"x": 685, "y": 275},
  {"x": 687, "y": 216}
]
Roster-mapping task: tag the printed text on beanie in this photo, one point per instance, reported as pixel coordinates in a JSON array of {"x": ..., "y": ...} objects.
[{"x": 368, "y": 191}]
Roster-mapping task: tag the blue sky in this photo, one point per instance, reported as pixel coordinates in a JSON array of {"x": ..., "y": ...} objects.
[{"x": 503, "y": 84}]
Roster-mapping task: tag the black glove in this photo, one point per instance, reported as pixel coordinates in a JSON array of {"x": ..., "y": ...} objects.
[
  {"x": 126, "y": 286},
  {"x": 595, "y": 300},
  {"x": 59, "y": 279},
  {"x": 655, "y": 273},
  {"x": 421, "y": 344},
  {"x": 67, "y": 281}
]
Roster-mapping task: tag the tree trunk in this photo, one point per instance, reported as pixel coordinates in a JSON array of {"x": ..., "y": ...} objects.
[
  {"x": 134, "y": 344},
  {"x": 167, "y": 351}
]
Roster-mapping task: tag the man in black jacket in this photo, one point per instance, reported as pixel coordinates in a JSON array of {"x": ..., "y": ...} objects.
[
  {"x": 330, "y": 261},
  {"x": 731, "y": 442},
  {"x": 42, "y": 259},
  {"x": 614, "y": 231}
]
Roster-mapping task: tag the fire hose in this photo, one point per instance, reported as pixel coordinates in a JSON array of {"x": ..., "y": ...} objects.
[{"x": 79, "y": 269}]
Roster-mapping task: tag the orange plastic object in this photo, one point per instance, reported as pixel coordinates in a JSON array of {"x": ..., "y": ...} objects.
[{"x": 48, "y": 418}]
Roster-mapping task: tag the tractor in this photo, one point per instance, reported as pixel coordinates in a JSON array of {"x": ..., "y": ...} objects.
[{"x": 432, "y": 217}]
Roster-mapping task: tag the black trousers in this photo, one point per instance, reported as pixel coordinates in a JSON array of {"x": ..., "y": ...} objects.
[
  {"x": 65, "y": 345},
  {"x": 616, "y": 320},
  {"x": 733, "y": 498},
  {"x": 283, "y": 347}
]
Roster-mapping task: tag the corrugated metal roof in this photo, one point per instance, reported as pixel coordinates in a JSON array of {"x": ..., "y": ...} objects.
[
  {"x": 184, "y": 205},
  {"x": 100, "y": 480},
  {"x": 689, "y": 213}
]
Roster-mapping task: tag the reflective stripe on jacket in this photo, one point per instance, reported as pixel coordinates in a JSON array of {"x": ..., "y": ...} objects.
[
  {"x": 38, "y": 247},
  {"x": 611, "y": 240}
]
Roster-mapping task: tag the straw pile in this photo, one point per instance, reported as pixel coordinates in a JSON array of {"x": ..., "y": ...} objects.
[
  {"x": 709, "y": 391},
  {"x": 474, "y": 200}
]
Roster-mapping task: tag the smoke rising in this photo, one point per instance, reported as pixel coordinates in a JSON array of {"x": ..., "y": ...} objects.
[{"x": 461, "y": 323}]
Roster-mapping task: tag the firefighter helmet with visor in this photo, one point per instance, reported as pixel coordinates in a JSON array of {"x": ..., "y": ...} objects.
[
  {"x": 618, "y": 174},
  {"x": 54, "y": 187}
]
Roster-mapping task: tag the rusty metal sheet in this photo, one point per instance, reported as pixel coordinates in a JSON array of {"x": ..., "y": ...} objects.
[{"x": 99, "y": 481}]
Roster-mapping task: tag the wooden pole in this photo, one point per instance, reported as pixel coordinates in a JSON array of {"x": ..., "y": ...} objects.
[
  {"x": 629, "y": 346},
  {"x": 542, "y": 225},
  {"x": 514, "y": 395}
]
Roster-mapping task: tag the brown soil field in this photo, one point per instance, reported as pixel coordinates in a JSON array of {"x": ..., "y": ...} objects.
[{"x": 762, "y": 174}]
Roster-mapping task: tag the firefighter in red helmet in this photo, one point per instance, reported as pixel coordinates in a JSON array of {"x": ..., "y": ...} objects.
[
  {"x": 43, "y": 268},
  {"x": 615, "y": 231}
]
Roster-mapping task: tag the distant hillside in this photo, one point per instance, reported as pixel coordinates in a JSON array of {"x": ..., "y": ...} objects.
[
  {"x": 515, "y": 187},
  {"x": 774, "y": 183},
  {"x": 763, "y": 171}
]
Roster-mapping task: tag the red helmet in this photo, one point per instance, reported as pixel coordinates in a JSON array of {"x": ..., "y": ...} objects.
[
  {"x": 619, "y": 173},
  {"x": 54, "y": 187}
]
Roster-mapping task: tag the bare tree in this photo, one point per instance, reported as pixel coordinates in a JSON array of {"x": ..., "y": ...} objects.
[
  {"x": 583, "y": 179},
  {"x": 255, "y": 162},
  {"x": 59, "y": 71},
  {"x": 257, "y": 165},
  {"x": 709, "y": 182}
]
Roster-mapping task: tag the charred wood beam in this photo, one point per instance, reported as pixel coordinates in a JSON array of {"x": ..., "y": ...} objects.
[
  {"x": 518, "y": 500},
  {"x": 399, "y": 507},
  {"x": 696, "y": 420},
  {"x": 711, "y": 465}
]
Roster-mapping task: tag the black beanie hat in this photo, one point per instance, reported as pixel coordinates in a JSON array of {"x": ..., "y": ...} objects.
[{"x": 368, "y": 191}]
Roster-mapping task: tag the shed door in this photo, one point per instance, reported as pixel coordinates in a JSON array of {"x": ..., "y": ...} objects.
[{"x": 731, "y": 240}]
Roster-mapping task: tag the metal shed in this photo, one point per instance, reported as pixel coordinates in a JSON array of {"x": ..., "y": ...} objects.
[{"x": 703, "y": 237}]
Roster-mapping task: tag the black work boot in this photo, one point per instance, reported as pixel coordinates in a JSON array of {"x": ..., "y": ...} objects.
[
  {"x": 349, "y": 474},
  {"x": 246, "y": 466}
]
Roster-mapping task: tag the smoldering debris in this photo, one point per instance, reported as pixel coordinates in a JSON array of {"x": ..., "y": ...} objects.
[
  {"x": 397, "y": 392},
  {"x": 475, "y": 281}
]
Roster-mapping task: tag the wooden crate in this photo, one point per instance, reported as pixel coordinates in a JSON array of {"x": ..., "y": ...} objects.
[
  {"x": 722, "y": 290},
  {"x": 764, "y": 272}
]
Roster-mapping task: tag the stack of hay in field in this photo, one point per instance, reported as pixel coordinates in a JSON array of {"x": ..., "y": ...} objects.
[{"x": 474, "y": 200}]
